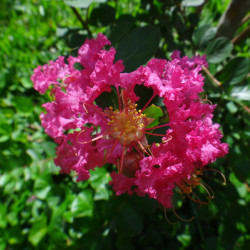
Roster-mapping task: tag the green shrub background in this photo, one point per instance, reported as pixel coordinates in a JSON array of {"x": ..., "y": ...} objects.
[{"x": 42, "y": 209}]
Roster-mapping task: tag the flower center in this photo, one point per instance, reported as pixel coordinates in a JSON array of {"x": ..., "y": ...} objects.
[{"x": 126, "y": 124}]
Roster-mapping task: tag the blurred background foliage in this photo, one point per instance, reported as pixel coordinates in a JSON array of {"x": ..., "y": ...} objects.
[{"x": 42, "y": 209}]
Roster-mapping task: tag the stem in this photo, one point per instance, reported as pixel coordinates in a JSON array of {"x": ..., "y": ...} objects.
[
  {"x": 84, "y": 24},
  {"x": 244, "y": 33},
  {"x": 214, "y": 80}
]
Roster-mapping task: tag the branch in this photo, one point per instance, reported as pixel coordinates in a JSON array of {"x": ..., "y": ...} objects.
[
  {"x": 244, "y": 33},
  {"x": 214, "y": 80},
  {"x": 84, "y": 24},
  {"x": 232, "y": 17}
]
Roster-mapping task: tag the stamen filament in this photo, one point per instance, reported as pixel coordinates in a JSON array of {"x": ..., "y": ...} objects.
[
  {"x": 119, "y": 100},
  {"x": 168, "y": 221},
  {"x": 202, "y": 185},
  {"x": 138, "y": 150},
  {"x": 154, "y": 134},
  {"x": 160, "y": 126},
  {"x": 111, "y": 151},
  {"x": 210, "y": 190},
  {"x": 84, "y": 107},
  {"x": 215, "y": 170},
  {"x": 142, "y": 147},
  {"x": 197, "y": 201},
  {"x": 180, "y": 218},
  {"x": 92, "y": 140},
  {"x": 97, "y": 110},
  {"x": 145, "y": 106},
  {"x": 122, "y": 159}
]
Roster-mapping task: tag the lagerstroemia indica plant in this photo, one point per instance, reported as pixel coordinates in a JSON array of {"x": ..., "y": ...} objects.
[{"x": 158, "y": 145}]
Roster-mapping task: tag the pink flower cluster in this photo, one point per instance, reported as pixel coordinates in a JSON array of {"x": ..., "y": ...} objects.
[{"x": 89, "y": 136}]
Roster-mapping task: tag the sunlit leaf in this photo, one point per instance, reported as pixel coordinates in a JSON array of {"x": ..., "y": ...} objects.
[
  {"x": 82, "y": 205},
  {"x": 153, "y": 112},
  {"x": 82, "y": 3},
  {"x": 42, "y": 187},
  {"x": 241, "y": 93},
  {"x": 38, "y": 230},
  {"x": 192, "y": 3}
]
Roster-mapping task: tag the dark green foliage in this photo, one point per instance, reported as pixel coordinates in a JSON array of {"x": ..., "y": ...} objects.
[{"x": 43, "y": 209}]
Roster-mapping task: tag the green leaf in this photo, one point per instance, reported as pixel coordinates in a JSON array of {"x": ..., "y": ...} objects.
[
  {"x": 241, "y": 93},
  {"x": 138, "y": 47},
  {"x": 192, "y": 3},
  {"x": 74, "y": 39},
  {"x": 153, "y": 112},
  {"x": 203, "y": 35},
  {"x": 124, "y": 23},
  {"x": 42, "y": 187},
  {"x": 242, "y": 191},
  {"x": 23, "y": 104},
  {"x": 218, "y": 50},
  {"x": 102, "y": 15},
  {"x": 129, "y": 222},
  {"x": 185, "y": 239},
  {"x": 99, "y": 177},
  {"x": 38, "y": 230},
  {"x": 82, "y": 205},
  {"x": 15, "y": 236},
  {"x": 241, "y": 169},
  {"x": 235, "y": 70},
  {"x": 3, "y": 212},
  {"x": 98, "y": 181},
  {"x": 232, "y": 107},
  {"x": 82, "y": 3}
]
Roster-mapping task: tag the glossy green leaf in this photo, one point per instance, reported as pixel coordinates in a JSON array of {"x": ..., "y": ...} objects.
[
  {"x": 42, "y": 187},
  {"x": 99, "y": 181},
  {"x": 138, "y": 47},
  {"x": 3, "y": 211},
  {"x": 124, "y": 23},
  {"x": 102, "y": 15},
  {"x": 203, "y": 35},
  {"x": 99, "y": 177},
  {"x": 235, "y": 71},
  {"x": 38, "y": 230},
  {"x": 192, "y": 3},
  {"x": 153, "y": 112},
  {"x": 82, "y": 3},
  {"x": 241, "y": 188},
  {"x": 82, "y": 205},
  {"x": 241, "y": 93},
  {"x": 184, "y": 239},
  {"x": 23, "y": 104},
  {"x": 241, "y": 169},
  {"x": 129, "y": 222},
  {"x": 218, "y": 50},
  {"x": 232, "y": 107}
]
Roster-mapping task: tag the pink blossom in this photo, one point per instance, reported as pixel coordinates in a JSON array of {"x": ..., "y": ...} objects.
[{"x": 90, "y": 133}]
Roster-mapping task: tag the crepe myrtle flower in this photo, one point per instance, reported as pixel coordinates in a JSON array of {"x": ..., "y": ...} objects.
[{"x": 152, "y": 123}]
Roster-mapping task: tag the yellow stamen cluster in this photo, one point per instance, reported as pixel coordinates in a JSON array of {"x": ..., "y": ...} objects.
[{"x": 126, "y": 124}]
